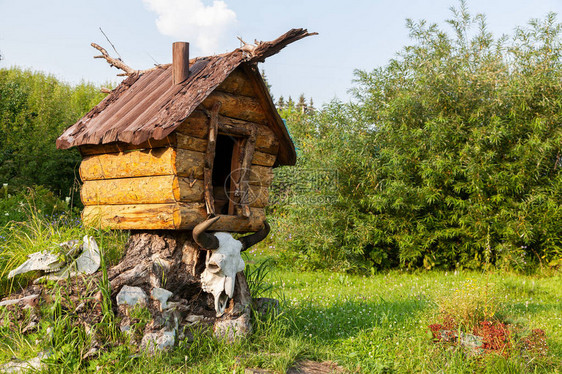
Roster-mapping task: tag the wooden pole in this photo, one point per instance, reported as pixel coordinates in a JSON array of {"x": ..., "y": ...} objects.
[
  {"x": 210, "y": 158},
  {"x": 244, "y": 178},
  {"x": 180, "y": 62}
]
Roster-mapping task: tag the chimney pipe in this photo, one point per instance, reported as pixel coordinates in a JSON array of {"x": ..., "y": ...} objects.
[{"x": 180, "y": 62}]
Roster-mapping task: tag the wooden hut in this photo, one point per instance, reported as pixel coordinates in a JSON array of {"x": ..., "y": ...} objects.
[{"x": 178, "y": 143}]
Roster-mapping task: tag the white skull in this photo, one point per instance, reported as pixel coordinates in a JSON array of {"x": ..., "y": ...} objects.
[{"x": 222, "y": 264}]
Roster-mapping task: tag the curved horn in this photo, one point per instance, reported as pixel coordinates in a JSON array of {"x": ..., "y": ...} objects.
[
  {"x": 203, "y": 238},
  {"x": 250, "y": 240}
]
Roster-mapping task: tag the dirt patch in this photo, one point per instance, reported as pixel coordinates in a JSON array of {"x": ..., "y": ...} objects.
[{"x": 313, "y": 367}]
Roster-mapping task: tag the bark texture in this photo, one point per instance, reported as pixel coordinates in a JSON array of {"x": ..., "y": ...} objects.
[{"x": 173, "y": 261}]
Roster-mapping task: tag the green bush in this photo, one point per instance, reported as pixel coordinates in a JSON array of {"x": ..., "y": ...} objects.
[
  {"x": 319, "y": 211},
  {"x": 18, "y": 207},
  {"x": 34, "y": 110},
  {"x": 450, "y": 156}
]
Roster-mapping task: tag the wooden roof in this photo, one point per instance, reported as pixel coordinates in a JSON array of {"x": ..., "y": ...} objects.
[{"x": 148, "y": 106}]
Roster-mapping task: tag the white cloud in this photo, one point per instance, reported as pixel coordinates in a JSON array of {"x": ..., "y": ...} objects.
[{"x": 193, "y": 21}]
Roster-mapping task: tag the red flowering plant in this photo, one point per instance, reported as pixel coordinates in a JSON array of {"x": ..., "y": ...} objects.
[{"x": 470, "y": 318}]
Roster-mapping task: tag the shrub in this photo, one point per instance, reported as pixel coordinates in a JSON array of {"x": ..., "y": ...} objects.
[
  {"x": 468, "y": 129},
  {"x": 34, "y": 110},
  {"x": 450, "y": 158},
  {"x": 18, "y": 207}
]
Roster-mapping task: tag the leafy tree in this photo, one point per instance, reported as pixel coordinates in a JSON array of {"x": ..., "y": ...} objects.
[
  {"x": 450, "y": 156},
  {"x": 320, "y": 219},
  {"x": 34, "y": 110},
  {"x": 281, "y": 103},
  {"x": 311, "y": 105},
  {"x": 264, "y": 77},
  {"x": 290, "y": 103},
  {"x": 301, "y": 105}
]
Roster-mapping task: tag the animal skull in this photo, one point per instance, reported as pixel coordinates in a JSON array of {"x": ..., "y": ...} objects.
[{"x": 223, "y": 260}]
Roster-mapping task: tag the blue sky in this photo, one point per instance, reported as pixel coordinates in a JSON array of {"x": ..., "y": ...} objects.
[{"x": 54, "y": 36}]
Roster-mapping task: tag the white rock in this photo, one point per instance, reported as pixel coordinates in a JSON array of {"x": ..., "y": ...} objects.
[
  {"x": 17, "y": 366},
  {"x": 89, "y": 261},
  {"x": 233, "y": 329},
  {"x": 162, "y": 295},
  {"x": 158, "y": 341},
  {"x": 131, "y": 296},
  {"x": 22, "y": 366}
]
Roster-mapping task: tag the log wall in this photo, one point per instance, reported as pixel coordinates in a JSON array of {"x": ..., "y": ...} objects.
[
  {"x": 176, "y": 216},
  {"x": 159, "y": 184}
]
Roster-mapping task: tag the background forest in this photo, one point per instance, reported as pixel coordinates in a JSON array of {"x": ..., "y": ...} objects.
[{"x": 448, "y": 157}]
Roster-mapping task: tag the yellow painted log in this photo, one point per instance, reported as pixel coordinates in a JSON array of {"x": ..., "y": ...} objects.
[
  {"x": 142, "y": 190},
  {"x": 165, "y": 217},
  {"x": 133, "y": 217},
  {"x": 158, "y": 161}
]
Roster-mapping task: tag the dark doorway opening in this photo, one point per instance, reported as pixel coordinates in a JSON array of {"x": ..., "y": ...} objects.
[{"x": 223, "y": 165}]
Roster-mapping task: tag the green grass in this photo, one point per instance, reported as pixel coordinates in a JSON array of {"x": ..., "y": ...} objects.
[
  {"x": 379, "y": 323},
  {"x": 39, "y": 232},
  {"x": 367, "y": 324}
]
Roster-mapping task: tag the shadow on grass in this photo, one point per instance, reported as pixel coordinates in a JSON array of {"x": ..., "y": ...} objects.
[{"x": 347, "y": 319}]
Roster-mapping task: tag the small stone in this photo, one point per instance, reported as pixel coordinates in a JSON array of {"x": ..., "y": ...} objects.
[
  {"x": 32, "y": 326},
  {"x": 257, "y": 371},
  {"x": 158, "y": 341},
  {"x": 131, "y": 296},
  {"x": 18, "y": 366},
  {"x": 80, "y": 308},
  {"x": 193, "y": 318},
  {"x": 162, "y": 295},
  {"x": 232, "y": 329},
  {"x": 91, "y": 353},
  {"x": 125, "y": 328},
  {"x": 474, "y": 343}
]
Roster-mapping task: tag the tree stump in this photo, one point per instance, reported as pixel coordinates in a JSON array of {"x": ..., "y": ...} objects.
[{"x": 158, "y": 260}]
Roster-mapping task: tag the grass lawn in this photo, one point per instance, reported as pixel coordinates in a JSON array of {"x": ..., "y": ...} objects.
[{"x": 366, "y": 324}]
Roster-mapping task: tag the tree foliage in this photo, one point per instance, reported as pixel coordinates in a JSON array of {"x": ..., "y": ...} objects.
[
  {"x": 34, "y": 110},
  {"x": 450, "y": 157}
]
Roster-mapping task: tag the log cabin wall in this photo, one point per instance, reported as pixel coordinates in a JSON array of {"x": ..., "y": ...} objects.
[{"x": 160, "y": 184}]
